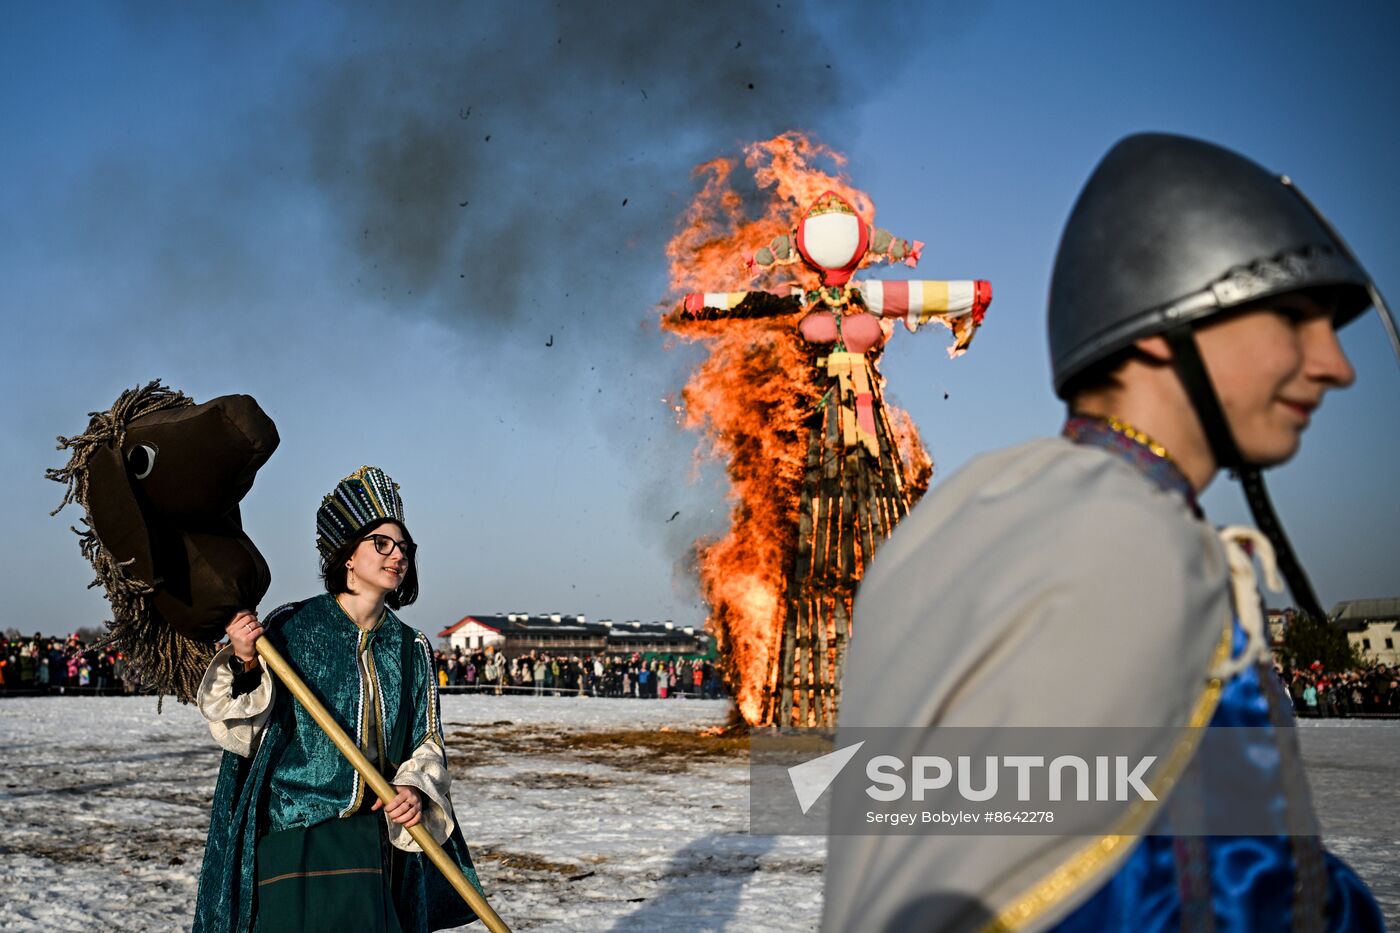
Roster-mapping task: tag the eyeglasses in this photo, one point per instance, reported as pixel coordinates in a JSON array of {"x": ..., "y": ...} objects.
[{"x": 384, "y": 546}]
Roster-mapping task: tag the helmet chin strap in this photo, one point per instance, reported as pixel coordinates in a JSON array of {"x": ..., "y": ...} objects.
[{"x": 1192, "y": 373}]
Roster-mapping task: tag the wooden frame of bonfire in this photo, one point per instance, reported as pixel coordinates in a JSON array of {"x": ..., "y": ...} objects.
[{"x": 850, "y": 503}]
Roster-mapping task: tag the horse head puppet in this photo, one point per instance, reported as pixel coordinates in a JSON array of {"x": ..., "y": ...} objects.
[{"x": 160, "y": 479}]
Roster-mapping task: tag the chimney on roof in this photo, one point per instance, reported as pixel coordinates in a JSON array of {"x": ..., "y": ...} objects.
[
  {"x": 670, "y": 626},
  {"x": 635, "y": 624},
  {"x": 582, "y": 619},
  {"x": 555, "y": 617},
  {"x": 688, "y": 630}
]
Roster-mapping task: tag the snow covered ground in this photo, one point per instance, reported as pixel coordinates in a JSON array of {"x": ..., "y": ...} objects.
[{"x": 583, "y": 814}]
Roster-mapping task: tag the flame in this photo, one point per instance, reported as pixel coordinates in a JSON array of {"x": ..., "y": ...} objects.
[
  {"x": 751, "y": 398},
  {"x": 707, "y": 254},
  {"x": 918, "y": 465}
]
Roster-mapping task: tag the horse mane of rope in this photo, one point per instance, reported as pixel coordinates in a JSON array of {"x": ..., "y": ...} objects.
[{"x": 157, "y": 656}]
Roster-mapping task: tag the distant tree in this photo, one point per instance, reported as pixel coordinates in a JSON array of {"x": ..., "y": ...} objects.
[
  {"x": 12, "y": 634},
  {"x": 89, "y": 635},
  {"x": 1306, "y": 640}
]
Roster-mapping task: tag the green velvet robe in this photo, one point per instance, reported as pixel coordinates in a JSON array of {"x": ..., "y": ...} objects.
[{"x": 297, "y": 778}]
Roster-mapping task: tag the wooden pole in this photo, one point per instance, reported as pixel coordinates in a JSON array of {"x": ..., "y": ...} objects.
[
  {"x": 825, "y": 542},
  {"x": 863, "y": 497},
  {"x": 806, "y": 512},
  {"x": 804, "y": 660},
  {"x": 814, "y": 684},
  {"x": 297, "y": 687},
  {"x": 785, "y": 669},
  {"x": 850, "y": 521},
  {"x": 799, "y": 576},
  {"x": 843, "y": 640},
  {"x": 826, "y": 714}
]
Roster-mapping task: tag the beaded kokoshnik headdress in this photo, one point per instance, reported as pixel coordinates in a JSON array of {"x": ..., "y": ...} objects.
[{"x": 365, "y": 496}]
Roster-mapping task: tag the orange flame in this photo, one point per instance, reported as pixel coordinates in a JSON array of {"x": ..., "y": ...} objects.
[{"x": 751, "y": 398}]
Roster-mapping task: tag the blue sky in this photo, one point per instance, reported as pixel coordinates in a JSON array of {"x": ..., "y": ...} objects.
[{"x": 301, "y": 202}]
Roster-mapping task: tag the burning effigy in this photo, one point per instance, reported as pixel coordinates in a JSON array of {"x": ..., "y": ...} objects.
[{"x": 791, "y": 399}]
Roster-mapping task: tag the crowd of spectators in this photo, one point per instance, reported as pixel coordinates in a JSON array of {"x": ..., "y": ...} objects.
[
  {"x": 545, "y": 674},
  {"x": 53, "y": 664},
  {"x": 1323, "y": 693},
  {"x": 42, "y": 663}
]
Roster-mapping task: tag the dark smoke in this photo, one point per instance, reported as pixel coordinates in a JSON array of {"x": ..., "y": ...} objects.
[
  {"x": 514, "y": 171},
  {"x": 543, "y": 119},
  {"x": 517, "y": 171}
]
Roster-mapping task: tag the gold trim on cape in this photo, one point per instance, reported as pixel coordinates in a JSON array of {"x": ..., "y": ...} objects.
[{"x": 1085, "y": 864}]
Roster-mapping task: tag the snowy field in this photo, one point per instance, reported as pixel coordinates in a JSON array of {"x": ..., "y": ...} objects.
[{"x": 583, "y": 814}]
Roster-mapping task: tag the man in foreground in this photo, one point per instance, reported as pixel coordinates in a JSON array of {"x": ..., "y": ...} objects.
[{"x": 1074, "y": 581}]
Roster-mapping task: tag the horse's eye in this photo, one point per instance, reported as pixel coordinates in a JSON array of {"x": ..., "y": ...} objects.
[{"x": 142, "y": 460}]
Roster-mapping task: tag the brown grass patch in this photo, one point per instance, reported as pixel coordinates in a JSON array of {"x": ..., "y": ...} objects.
[
  {"x": 523, "y": 861},
  {"x": 658, "y": 743},
  {"x": 560, "y": 780},
  {"x": 659, "y": 750}
]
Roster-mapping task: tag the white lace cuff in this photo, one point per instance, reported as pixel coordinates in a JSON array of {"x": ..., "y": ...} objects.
[
  {"x": 235, "y": 722},
  {"x": 426, "y": 771}
]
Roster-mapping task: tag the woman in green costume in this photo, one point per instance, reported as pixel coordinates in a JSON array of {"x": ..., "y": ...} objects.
[{"x": 294, "y": 839}]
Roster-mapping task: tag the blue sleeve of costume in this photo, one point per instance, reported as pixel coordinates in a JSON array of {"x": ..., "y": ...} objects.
[{"x": 1251, "y": 879}]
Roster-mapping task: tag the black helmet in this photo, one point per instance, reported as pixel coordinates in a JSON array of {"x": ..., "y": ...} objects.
[{"x": 1170, "y": 230}]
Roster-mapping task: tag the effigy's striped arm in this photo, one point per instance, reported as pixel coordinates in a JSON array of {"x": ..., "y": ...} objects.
[
  {"x": 958, "y": 305},
  {"x": 713, "y": 306}
]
